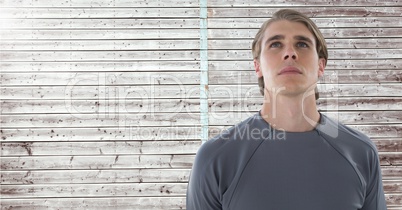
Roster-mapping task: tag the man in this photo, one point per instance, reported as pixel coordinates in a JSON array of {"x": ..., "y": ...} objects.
[{"x": 288, "y": 155}]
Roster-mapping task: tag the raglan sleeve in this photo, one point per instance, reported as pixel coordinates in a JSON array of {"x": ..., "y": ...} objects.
[
  {"x": 375, "y": 199},
  {"x": 203, "y": 188}
]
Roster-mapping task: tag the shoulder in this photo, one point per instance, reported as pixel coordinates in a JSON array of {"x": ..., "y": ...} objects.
[
  {"x": 230, "y": 142},
  {"x": 345, "y": 136}
]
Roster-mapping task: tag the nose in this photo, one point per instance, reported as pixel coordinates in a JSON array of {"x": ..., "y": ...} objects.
[{"x": 290, "y": 53}]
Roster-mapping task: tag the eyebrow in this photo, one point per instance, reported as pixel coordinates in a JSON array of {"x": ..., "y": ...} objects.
[{"x": 281, "y": 37}]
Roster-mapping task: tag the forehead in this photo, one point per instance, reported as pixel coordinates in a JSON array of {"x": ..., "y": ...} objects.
[{"x": 288, "y": 29}]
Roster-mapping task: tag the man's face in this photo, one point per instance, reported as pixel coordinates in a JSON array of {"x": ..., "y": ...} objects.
[{"x": 289, "y": 61}]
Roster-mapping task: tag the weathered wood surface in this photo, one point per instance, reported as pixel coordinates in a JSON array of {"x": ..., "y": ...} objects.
[
  {"x": 355, "y": 22},
  {"x": 111, "y": 78},
  {"x": 100, "y": 106},
  {"x": 117, "y": 147},
  {"x": 272, "y": 3},
  {"x": 183, "y": 33},
  {"x": 236, "y": 44},
  {"x": 100, "y": 100},
  {"x": 326, "y": 90},
  {"x": 105, "y": 12},
  {"x": 216, "y": 12},
  {"x": 108, "y": 45},
  {"x": 348, "y": 64},
  {"x": 390, "y": 173},
  {"x": 110, "y": 23},
  {"x": 188, "y": 3},
  {"x": 100, "y": 162},
  {"x": 121, "y": 133},
  {"x": 109, "y": 203},
  {"x": 102, "y": 56},
  {"x": 134, "y": 106},
  {"x": 238, "y": 55},
  {"x": 330, "y": 76},
  {"x": 250, "y": 33},
  {"x": 330, "y": 104},
  {"x": 100, "y": 34},
  {"x": 311, "y": 11},
  {"x": 143, "y": 203},
  {"x": 101, "y": 67},
  {"x": 74, "y": 92},
  {"x": 132, "y": 147},
  {"x": 188, "y": 78},
  {"x": 126, "y": 189},
  {"x": 99, "y": 176},
  {"x": 175, "y": 119},
  {"x": 214, "y": 65}
]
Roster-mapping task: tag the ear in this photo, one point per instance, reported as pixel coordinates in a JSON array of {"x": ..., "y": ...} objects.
[
  {"x": 321, "y": 67},
  {"x": 257, "y": 68}
]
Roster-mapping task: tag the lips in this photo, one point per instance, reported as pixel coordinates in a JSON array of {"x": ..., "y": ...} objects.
[{"x": 290, "y": 70}]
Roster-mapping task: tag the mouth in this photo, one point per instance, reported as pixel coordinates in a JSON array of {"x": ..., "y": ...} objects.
[{"x": 290, "y": 70}]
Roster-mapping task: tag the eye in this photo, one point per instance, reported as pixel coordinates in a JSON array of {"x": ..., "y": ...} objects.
[
  {"x": 302, "y": 45},
  {"x": 275, "y": 45}
]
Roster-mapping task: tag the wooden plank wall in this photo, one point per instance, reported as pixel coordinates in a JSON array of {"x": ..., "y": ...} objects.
[{"x": 100, "y": 100}]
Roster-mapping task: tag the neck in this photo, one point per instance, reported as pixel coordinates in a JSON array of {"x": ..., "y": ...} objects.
[{"x": 290, "y": 113}]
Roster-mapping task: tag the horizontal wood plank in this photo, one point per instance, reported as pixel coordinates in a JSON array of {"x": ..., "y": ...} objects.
[
  {"x": 101, "y": 56},
  {"x": 95, "y": 190},
  {"x": 69, "y": 176},
  {"x": 132, "y": 106},
  {"x": 96, "y": 120},
  {"x": 345, "y": 64},
  {"x": 97, "y": 162},
  {"x": 328, "y": 33},
  {"x": 234, "y": 44},
  {"x": 100, "y": 67},
  {"x": 326, "y": 90},
  {"x": 272, "y": 3},
  {"x": 125, "y": 190},
  {"x": 100, "y": 34},
  {"x": 187, "y": 78},
  {"x": 311, "y": 11},
  {"x": 339, "y": 22},
  {"x": 122, "y": 133},
  {"x": 99, "y": 12},
  {"x": 103, "y": 23},
  {"x": 73, "y": 91},
  {"x": 145, "y": 203},
  {"x": 108, "y": 203},
  {"x": 99, "y": 3},
  {"x": 389, "y": 173},
  {"x": 330, "y": 76},
  {"x": 112, "y": 148},
  {"x": 130, "y": 148},
  {"x": 175, "y": 119},
  {"x": 115, "y": 78},
  {"x": 369, "y": 54},
  {"x": 255, "y": 22},
  {"x": 185, "y": 55},
  {"x": 245, "y": 44},
  {"x": 326, "y": 104},
  {"x": 103, "y": 92},
  {"x": 110, "y": 45}
]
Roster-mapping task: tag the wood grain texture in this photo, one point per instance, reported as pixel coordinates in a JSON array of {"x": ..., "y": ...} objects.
[{"x": 100, "y": 99}]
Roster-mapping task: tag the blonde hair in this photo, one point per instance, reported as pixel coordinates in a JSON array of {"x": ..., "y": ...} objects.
[{"x": 293, "y": 16}]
